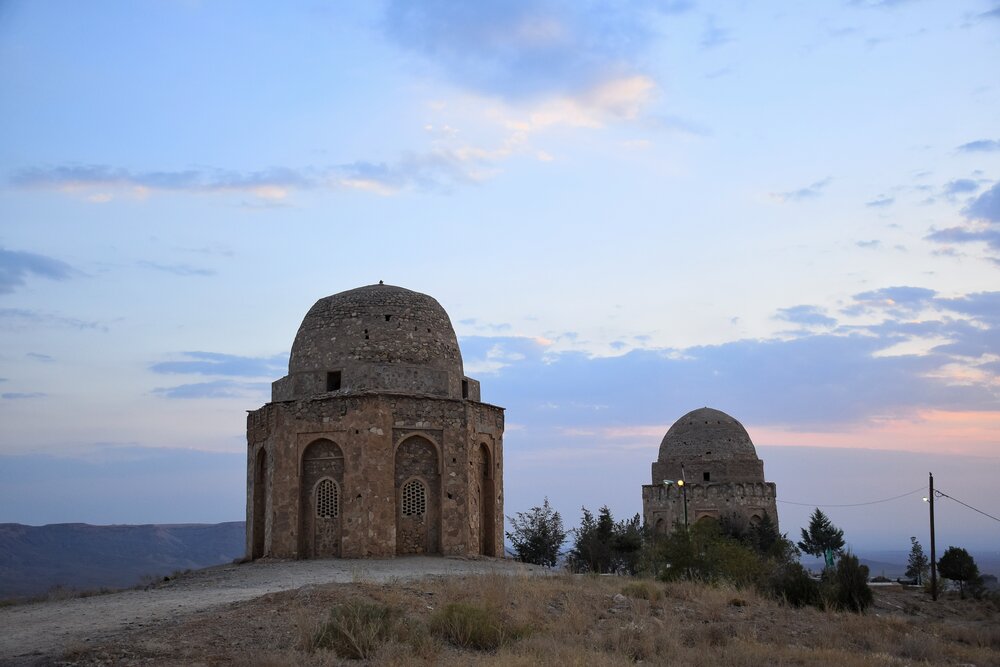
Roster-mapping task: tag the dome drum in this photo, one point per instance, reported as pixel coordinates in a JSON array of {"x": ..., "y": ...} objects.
[
  {"x": 366, "y": 377},
  {"x": 707, "y": 470}
]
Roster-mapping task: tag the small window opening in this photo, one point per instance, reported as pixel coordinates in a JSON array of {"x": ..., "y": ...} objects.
[
  {"x": 414, "y": 498},
  {"x": 465, "y": 388},
  {"x": 327, "y": 500},
  {"x": 333, "y": 381},
  {"x": 706, "y": 477},
  {"x": 388, "y": 317}
]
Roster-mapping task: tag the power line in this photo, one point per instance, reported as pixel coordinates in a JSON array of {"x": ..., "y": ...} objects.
[
  {"x": 871, "y": 502},
  {"x": 940, "y": 493}
]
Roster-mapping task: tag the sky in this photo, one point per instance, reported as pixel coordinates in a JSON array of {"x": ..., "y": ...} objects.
[{"x": 786, "y": 211}]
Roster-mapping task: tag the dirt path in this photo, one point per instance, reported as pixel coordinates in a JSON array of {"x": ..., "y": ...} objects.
[{"x": 33, "y": 633}]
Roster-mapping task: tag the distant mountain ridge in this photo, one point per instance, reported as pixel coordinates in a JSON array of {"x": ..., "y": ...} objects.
[{"x": 34, "y": 559}]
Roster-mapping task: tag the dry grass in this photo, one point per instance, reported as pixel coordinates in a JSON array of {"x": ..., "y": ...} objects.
[{"x": 567, "y": 620}]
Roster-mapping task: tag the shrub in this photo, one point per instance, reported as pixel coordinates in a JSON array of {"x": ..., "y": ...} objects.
[
  {"x": 791, "y": 584},
  {"x": 469, "y": 626},
  {"x": 642, "y": 590},
  {"x": 357, "y": 628},
  {"x": 846, "y": 585}
]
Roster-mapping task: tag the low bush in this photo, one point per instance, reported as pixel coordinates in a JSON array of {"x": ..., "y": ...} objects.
[
  {"x": 357, "y": 628},
  {"x": 791, "y": 584},
  {"x": 642, "y": 590},
  {"x": 845, "y": 587},
  {"x": 469, "y": 626}
]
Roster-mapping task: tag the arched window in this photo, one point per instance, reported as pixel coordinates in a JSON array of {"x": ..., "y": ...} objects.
[
  {"x": 414, "y": 498},
  {"x": 327, "y": 499}
]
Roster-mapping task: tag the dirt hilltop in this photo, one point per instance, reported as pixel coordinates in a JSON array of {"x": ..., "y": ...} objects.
[
  {"x": 39, "y": 632},
  {"x": 440, "y": 611}
]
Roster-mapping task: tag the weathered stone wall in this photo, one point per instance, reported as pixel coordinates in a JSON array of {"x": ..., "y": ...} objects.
[
  {"x": 368, "y": 428},
  {"x": 663, "y": 506}
]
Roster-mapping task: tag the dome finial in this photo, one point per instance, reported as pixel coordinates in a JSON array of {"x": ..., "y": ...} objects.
[{"x": 381, "y": 283}]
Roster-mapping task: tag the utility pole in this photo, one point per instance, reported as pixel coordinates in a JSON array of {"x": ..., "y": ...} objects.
[{"x": 930, "y": 499}]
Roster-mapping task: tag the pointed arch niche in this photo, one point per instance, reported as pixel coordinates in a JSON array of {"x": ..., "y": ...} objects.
[
  {"x": 485, "y": 497},
  {"x": 418, "y": 497},
  {"x": 321, "y": 499},
  {"x": 260, "y": 493}
]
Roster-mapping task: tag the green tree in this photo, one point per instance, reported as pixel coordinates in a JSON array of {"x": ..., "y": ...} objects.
[
  {"x": 958, "y": 565},
  {"x": 593, "y": 542},
  {"x": 627, "y": 546},
  {"x": 918, "y": 563},
  {"x": 605, "y": 546},
  {"x": 822, "y": 536},
  {"x": 537, "y": 535},
  {"x": 846, "y": 585}
]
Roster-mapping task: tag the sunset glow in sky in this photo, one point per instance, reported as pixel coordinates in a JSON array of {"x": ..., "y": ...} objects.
[{"x": 786, "y": 211}]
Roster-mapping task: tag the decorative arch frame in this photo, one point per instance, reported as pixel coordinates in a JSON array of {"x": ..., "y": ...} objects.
[
  {"x": 426, "y": 436},
  {"x": 318, "y": 437}
]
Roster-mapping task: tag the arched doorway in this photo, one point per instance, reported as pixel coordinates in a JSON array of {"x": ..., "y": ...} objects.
[
  {"x": 259, "y": 504},
  {"x": 418, "y": 497},
  {"x": 321, "y": 499},
  {"x": 487, "y": 502}
]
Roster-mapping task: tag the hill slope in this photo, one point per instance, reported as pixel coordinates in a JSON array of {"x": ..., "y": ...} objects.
[{"x": 33, "y": 559}]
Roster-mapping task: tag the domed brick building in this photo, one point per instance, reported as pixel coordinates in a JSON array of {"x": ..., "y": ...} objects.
[
  {"x": 723, "y": 476},
  {"x": 376, "y": 443}
]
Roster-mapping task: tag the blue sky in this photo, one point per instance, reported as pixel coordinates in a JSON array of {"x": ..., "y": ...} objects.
[{"x": 790, "y": 213}]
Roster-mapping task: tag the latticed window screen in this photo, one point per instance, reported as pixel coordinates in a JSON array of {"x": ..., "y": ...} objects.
[
  {"x": 414, "y": 498},
  {"x": 327, "y": 499}
]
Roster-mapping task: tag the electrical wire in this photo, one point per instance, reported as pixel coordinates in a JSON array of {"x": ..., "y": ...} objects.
[
  {"x": 871, "y": 502},
  {"x": 941, "y": 493}
]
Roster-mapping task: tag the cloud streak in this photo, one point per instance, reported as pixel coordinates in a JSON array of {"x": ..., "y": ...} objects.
[
  {"x": 980, "y": 145},
  {"x": 983, "y": 215},
  {"x": 215, "y": 363},
  {"x": 520, "y": 49},
  {"x": 811, "y": 191},
  {"x": 214, "y": 389},
  {"x": 17, "y": 266},
  {"x": 24, "y": 318}
]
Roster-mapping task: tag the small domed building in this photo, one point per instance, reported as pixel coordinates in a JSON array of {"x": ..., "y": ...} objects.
[
  {"x": 723, "y": 476},
  {"x": 375, "y": 444}
]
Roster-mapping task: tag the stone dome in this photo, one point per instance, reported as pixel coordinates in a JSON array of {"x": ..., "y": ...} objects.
[
  {"x": 377, "y": 337},
  {"x": 707, "y": 433}
]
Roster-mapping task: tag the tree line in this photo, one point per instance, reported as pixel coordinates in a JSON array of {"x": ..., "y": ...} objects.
[{"x": 729, "y": 549}]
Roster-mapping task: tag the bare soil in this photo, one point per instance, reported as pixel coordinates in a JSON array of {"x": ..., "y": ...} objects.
[{"x": 43, "y": 632}]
